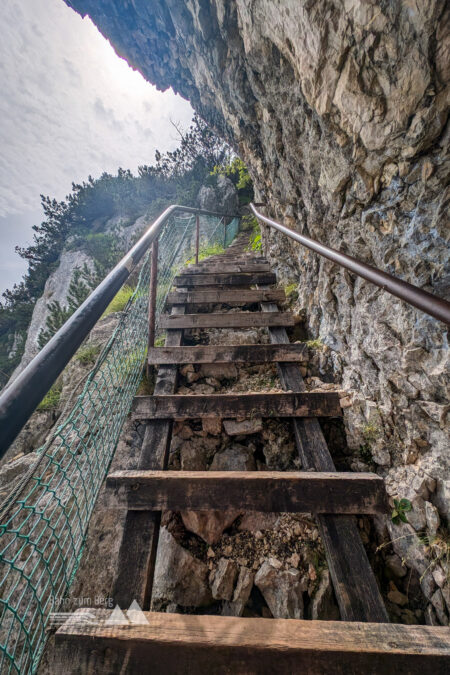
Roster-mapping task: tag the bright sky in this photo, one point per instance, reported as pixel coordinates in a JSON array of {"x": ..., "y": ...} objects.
[{"x": 69, "y": 107}]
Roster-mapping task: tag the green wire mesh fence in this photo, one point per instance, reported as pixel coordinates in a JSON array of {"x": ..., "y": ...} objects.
[{"x": 44, "y": 520}]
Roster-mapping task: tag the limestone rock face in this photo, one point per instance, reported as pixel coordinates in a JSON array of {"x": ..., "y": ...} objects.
[
  {"x": 339, "y": 108},
  {"x": 56, "y": 289}
]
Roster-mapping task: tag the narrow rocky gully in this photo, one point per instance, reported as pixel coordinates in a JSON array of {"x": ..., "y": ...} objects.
[{"x": 237, "y": 563}]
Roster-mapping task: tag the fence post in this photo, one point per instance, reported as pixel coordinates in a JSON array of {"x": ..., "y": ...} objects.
[
  {"x": 224, "y": 232},
  {"x": 197, "y": 237},
  {"x": 152, "y": 298}
]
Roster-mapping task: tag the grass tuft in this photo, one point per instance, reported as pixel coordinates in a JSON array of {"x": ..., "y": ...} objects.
[
  {"x": 119, "y": 301},
  {"x": 51, "y": 398}
]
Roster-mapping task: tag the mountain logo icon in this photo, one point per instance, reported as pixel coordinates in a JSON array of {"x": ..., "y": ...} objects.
[
  {"x": 117, "y": 618},
  {"x": 135, "y": 615}
]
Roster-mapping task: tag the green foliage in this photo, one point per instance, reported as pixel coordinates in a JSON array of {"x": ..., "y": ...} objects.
[
  {"x": 255, "y": 240},
  {"x": 78, "y": 223},
  {"x": 119, "y": 302},
  {"x": 238, "y": 173},
  {"x": 401, "y": 507},
  {"x": 51, "y": 398},
  {"x": 87, "y": 355}
]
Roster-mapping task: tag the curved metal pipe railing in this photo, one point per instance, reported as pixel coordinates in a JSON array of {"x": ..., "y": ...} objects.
[
  {"x": 431, "y": 304},
  {"x": 20, "y": 399}
]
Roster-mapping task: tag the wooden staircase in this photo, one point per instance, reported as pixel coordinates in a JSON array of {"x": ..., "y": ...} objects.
[{"x": 363, "y": 641}]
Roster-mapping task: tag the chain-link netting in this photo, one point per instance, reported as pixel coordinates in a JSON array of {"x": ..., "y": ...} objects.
[{"x": 44, "y": 521}]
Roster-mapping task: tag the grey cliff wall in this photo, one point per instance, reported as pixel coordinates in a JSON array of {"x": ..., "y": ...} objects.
[{"x": 340, "y": 109}]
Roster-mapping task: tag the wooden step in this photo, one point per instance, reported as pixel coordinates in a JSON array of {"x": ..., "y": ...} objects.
[
  {"x": 228, "y": 354},
  {"x": 184, "y": 644},
  {"x": 228, "y": 297},
  {"x": 226, "y": 267},
  {"x": 242, "y": 279},
  {"x": 227, "y": 320},
  {"x": 310, "y": 404},
  {"x": 269, "y": 491}
]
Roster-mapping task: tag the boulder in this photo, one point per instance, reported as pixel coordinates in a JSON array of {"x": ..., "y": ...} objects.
[
  {"x": 209, "y": 525},
  {"x": 222, "y": 197},
  {"x": 255, "y": 521},
  {"x": 243, "y": 428},
  {"x": 282, "y": 590},
  {"x": 221, "y": 371},
  {"x": 179, "y": 577},
  {"x": 241, "y": 594},
  {"x": 212, "y": 425},
  {"x": 234, "y": 458},
  {"x": 222, "y": 579}
]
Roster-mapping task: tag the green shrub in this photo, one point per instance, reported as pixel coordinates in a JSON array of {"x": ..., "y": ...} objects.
[
  {"x": 119, "y": 301},
  {"x": 51, "y": 398},
  {"x": 255, "y": 241}
]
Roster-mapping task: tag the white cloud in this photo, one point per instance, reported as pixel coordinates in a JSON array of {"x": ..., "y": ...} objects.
[{"x": 70, "y": 106}]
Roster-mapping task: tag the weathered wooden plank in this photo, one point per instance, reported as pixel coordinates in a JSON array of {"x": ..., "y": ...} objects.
[
  {"x": 354, "y": 582},
  {"x": 137, "y": 553},
  {"x": 227, "y": 320},
  {"x": 183, "y": 644},
  {"x": 228, "y": 297},
  {"x": 269, "y": 491},
  {"x": 228, "y": 354},
  {"x": 241, "y": 279},
  {"x": 308, "y": 404},
  {"x": 223, "y": 267}
]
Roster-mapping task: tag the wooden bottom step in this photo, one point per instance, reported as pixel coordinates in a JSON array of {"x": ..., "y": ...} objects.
[
  {"x": 269, "y": 491},
  {"x": 307, "y": 404},
  {"x": 181, "y": 644}
]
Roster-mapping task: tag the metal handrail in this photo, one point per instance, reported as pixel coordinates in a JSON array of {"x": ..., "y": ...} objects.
[
  {"x": 20, "y": 399},
  {"x": 431, "y": 304}
]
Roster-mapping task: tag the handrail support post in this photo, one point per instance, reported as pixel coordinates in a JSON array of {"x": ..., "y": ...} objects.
[
  {"x": 197, "y": 237},
  {"x": 152, "y": 298}
]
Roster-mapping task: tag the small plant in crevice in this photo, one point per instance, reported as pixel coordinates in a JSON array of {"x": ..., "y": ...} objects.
[
  {"x": 401, "y": 508},
  {"x": 291, "y": 292},
  {"x": 315, "y": 344},
  {"x": 370, "y": 432},
  {"x": 51, "y": 398},
  {"x": 365, "y": 453},
  {"x": 87, "y": 355}
]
